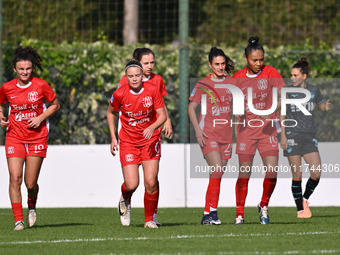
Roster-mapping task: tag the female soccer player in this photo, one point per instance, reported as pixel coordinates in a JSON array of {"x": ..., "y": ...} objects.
[
  {"x": 256, "y": 132},
  {"x": 27, "y": 129},
  {"x": 215, "y": 142},
  {"x": 147, "y": 58},
  {"x": 299, "y": 140},
  {"x": 139, "y": 140}
]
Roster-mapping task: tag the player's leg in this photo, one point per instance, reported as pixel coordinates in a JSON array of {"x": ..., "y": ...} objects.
[
  {"x": 295, "y": 165},
  {"x": 32, "y": 170},
  {"x": 314, "y": 164},
  {"x": 130, "y": 184},
  {"x": 215, "y": 161},
  {"x": 245, "y": 148},
  {"x": 15, "y": 168},
  {"x": 150, "y": 169}
]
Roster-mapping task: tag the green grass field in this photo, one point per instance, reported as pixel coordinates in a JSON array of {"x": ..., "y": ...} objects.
[{"x": 98, "y": 231}]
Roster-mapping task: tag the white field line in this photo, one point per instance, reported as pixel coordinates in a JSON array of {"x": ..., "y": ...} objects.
[{"x": 163, "y": 238}]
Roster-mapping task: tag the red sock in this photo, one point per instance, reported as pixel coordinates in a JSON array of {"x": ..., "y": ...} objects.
[
  {"x": 241, "y": 190},
  {"x": 17, "y": 212},
  {"x": 150, "y": 204},
  {"x": 157, "y": 197},
  {"x": 31, "y": 202},
  {"x": 213, "y": 194},
  {"x": 126, "y": 194},
  {"x": 268, "y": 188}
]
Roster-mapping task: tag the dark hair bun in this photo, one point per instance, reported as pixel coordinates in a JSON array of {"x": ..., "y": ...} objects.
[
  {"x": 303, "y": 60},
  {"x": 254, "y": 40}
]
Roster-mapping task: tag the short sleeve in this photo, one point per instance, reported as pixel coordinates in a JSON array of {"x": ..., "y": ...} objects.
[
  {"x": 158, "y": 100},
  {"x": 49, "y": 94},
  {"x": 115, "y": 101},
  {"x": 123, "y": 81},
  {"x": 162, "y": 88},
  {"x": 3, "y": 95},
  {"x": 196, "y": 95},
  {"x": 318, "y": 96},
  {"x": 277, "y": 82}
]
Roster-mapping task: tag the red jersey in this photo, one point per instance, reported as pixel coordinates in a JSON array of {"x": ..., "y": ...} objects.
[
  {"x": 138, "y": 111},
  {"x": 262, "y": 86},
  {"x": 26, "y": 102},
  {"x": 219, "y": 107},
  {"x": 154, "y": 79}
]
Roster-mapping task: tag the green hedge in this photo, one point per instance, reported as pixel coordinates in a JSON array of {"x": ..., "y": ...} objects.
[{"x": 84, "y": 76}]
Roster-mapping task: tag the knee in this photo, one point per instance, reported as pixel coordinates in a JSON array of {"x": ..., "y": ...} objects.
[
  {"x": 151, "y": 186},
  {"x": 131, "y": 186},
  {"x": 32, "y": 186},
  {"x": 15, "y": 181}
]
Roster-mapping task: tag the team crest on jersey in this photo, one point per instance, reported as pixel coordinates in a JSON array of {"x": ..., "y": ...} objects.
[
  {"x": 213, "y": 144},
  {"x": 33, "y": 96},
  {"x": 128, "y": 157},
  {"x": 242, "y": 147},
  {"x": 10, "y": 150},
  {"x": 262, "y": 84},
  {"x": 147, "y": 102}
]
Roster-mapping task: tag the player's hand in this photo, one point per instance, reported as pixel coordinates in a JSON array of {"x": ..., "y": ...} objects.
[
  {"x": 328, "y": 106},
  {"x": 200, "y": 137},
  {"x": 3, "y": 122},
  {"x": 264, "y": 117},
  {"x": 167, "y": 128},
  {"x": 34, "y": 122},
  {"x": 147, "y": 133},
  {"x": 284, "y": 142},
  {"x": 114, "y": 147}
]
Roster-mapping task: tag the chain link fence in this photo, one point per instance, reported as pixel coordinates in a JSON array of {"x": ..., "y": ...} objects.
[{"x": 83, "y": 56}]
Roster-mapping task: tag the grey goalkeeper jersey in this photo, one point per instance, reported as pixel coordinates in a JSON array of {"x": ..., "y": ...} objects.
[{"x": 305, "y": 123}]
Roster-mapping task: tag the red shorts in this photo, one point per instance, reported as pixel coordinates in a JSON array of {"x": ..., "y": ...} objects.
[
  {"x": 23, "y": 150},
  {"x": 224, "y": 148},
  {"x": 131, "y": 154},
  {"x": 266, "y": 146}
]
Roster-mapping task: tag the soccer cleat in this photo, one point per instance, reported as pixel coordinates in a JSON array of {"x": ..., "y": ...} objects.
[
  {"x": 239, "y": 220},
  {"x": 301, "y": 214},
  {"x": 31, "y": 217},
  {"x": 264, "y": 216},
  {"x": 124, "y": 210},
  {"x": 206, "y": 219},
  {"x": 19, "y": 225},
  {"x": 150, "y": 224},
  {"x": 154, "y": 218},
  {"x": 308, "y": 213},
  {"x": 214, "y": 220}
]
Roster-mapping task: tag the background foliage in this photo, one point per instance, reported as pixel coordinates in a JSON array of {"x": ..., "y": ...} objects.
[{"x": 84, "y": 75}]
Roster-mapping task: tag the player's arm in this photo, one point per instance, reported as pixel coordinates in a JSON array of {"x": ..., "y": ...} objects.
[
  {"x": 325, "y": 106},
  {"x": 111, "y": 120},
  {"x": 3, "y": 121},
  {"x": 167, "y": 127},
  {"x": 193, "y": 118},
  {"x": 147, "y": 133},
  {"x": 284, "y": 141},
  {"x": 52, "y": 109}
]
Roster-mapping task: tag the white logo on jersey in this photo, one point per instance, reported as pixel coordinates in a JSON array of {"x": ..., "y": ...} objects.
[
  {"x": 32, "y": 96},
  {"x": 147, "y": 102},
  {"x": 38, "y": 148},
  {"x": 273, "y": 140},
  {"x": 157, "y": 147},
  {"x": 18, "y": 116},
  {"x": 128, "y": 157},
  {"x": 10, "y": 150},
  {"x": 227, "y": 152},
  {"x": 262, "y": 84},
  {"x": 242, "y": 147},
  {"x": 215, "y": 111}
]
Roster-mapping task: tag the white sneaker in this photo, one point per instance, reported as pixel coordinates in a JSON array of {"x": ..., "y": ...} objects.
[
  {"x": 150, "y": 224},
  {"x": 19, "y": 225},
  {"x": 154, "y": 218},
  {"x": 239, "y": 220},
  {"x": 31, "y": 217},
  {"x": 124, "y": 209}
]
